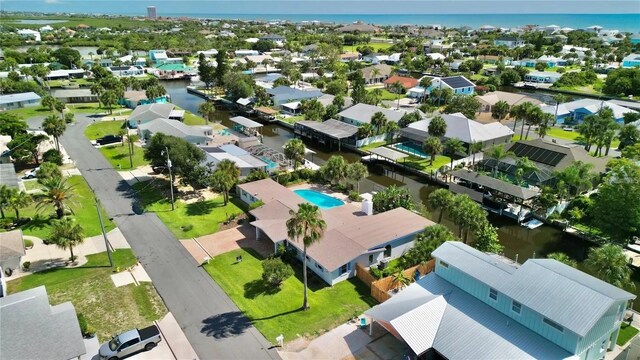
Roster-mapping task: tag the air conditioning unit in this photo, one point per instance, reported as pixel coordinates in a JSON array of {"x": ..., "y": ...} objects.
[{"x": 383, "y": 264}]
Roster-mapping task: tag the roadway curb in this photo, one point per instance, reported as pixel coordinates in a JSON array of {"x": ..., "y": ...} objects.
[
  {"x": 165, "y": 339},
  {"x": 203, "y": 249}
]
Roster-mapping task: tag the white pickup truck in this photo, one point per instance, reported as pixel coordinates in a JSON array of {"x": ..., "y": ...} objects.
[{"x": 130, "y": 342}]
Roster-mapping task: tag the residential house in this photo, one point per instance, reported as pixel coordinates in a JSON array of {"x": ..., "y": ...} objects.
[
  {"x": 482, "y": 306},
  {"x": 361, "y": 113},
  {"x": 375, "y": 74},
  {"x": 548, "y": 77},
  {"x": 488, "y": 100},
  {"x": 82, "y": 95},
  {"x": 242, "y": 158},
  {"x": 29, "y": 34},
  {"x": 158, "y": 56},
  {"x": 406, "y": 82},
  {"x": 242, "y": 53},
  {"x": 149, "y": 112},
  {"x": 134, "y": 98},
  {"x": 197, "y": 135},
  {"x": 5, "y": 154},
  {"x": 55, "y": 328},
  {"x": 169, "y": 70},
  {"x": 65, "y": 74},
  {"x": 126, "y": 71},
  {"x": 17, "y": 101},
  {"x": 375, "y": 58},
  {"x": 11, "y": 250},
  {"x": 349, "y": 57},
  {"x": 358, "y": 27},
  {"x": 327, "y": 99},
  {"x": 460, "y": 85},
  {"x": 278, "y": 39},
  {"x": 9, "y": 177},
  {"x": 574, "y": 112},
  {"x": 208, "y": 53},
  {"x": 630, "y": 61},
  {"x": 266, "y": 81},
  {"x": 350, "y": 237},
  {"x": 509, "y": 41},
  {"x": 459, "y": 127},
  {"x": 285, "y": 94},
  {"x": 46, "y": 28},
  {"x": 435, "y": 56}
]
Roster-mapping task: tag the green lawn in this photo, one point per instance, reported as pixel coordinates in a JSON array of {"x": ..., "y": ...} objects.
[
  {"x": 193, "y": 119},
  {"x": 277, "y": 311},
  {"x": 291, "y": 119},
  {"x": 32, "y": 185},
  {"x": 375, "y": 145},
  {"x": 118, "y": 156},
  {"x": 423, "y": 164},
  {"x": 60, "y": 83},
  {"x": 95, "y": 108},
  {"x": 203, "y": 216},
  {"x": 377, "y": 46},
  {"x": 626, "y": 333},
  {"x": 102, "y": 128},
  {"x": 29, "y": 112},
  {"x": 387, "y": 95},
  {"x": 557, "y": 132},
  {"x": 83, "y": 206},
  {"x": 109, "y": 310}
]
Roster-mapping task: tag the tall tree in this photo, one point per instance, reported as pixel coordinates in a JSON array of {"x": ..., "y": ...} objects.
[
  {"x": 437, "y": 127},
  {"x": 334, "y": 170},
  {"x": 391, "y": 198},
  {"x": 467, "y": 105},
  {"x": 54, "y": 126},
  {"x": 628, "y": 135},
  {"x": 356, "y": 172},
  {"x": 207, "y": 110},
  {"x": 57, "y": 193},
  {"x": 225, "y": 177},
  {"x": 12, "y": 125},
  {"x": 221, "y": 67},
  {"x": 206, "y": 72},
  {"x": 500, "y": 110},
  {"x": 563, "y": 258},
  {"x": 474, "y": 148},
  {"x": 440, "y": 199},
  {"x": 609, "y": 263},
  {"x": 520, "y": 112},
  {"x": 578, "y": 177},
  {"x": 358, "y": 93},
  {"x": 67, "y": 233},
  {"x": 432, "y": 146},
  {"x": 294, "y": 151},
  {"x": 185, "y": 157},
  {"x": 399, "y": 90},
  {"x": 313, "y": 110},
  {"x": 486, "y": 239},
  {"x": 19, "y": 200},
  {"x": 25, "y": 146},
  {"x": 426, "y": 242},
  {"x": 454, "y": 146},
  {"x": 307, "y": 225},
  {"x": 497, "y": 153},
  {"x": 108, "y": 99},
  {"x": 379, "y": 122}
]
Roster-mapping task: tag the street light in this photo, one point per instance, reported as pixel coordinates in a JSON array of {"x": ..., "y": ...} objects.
[{"x": 170, "y": 177}]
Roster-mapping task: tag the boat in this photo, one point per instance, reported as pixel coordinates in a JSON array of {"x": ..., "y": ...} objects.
[{"x": 532, "y": 224}]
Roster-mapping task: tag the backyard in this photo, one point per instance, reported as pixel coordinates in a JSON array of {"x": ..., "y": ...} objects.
[
  {"x": 118, "y": 156},
  {"x": 389, "y": 96},
  {"x": 278, "y": 311},
  {"x": 188, "y": 220},
  {"x": 422, "y": 164},
  {"x": 627, "y": 332},
  {"x": 84, "y": 210},
  {"x": 100, "y": 129},
  {"x": 107, "y": 309}
]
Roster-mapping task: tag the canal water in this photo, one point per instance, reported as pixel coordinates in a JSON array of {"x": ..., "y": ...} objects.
[{"x": 519, "y": 242}]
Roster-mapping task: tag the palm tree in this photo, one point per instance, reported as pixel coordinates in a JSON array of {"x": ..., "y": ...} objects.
[
  {"x": 535, "y": 116},
  {"x": 475, "y": 147},
  {"x": 305, "y": 224},
  {"x": 365, "y": 130},
  {"x": 19, "y": 200},
  {"x": 498, "y": 153},
  {"x": 207, "y": 110},
  {"x": 432, "y": 146},
  {"x": 57, "y": 193},
  {"x": 563, "y": 258},
  {"x": 520, "y": 112},
  {"x": 578, "y": 176},
  {"x": 500, "y": 110},
  {"x": 425, "y": 83},
  {"x": 5, "y": 198},
  {"x": 97, "y": 90},
  {"x": 437, "y": 127},
  {"x": 440, "y": 199},
  {"x": 66, "y": 234},
  {"x": 225, "y": 177},
  {"x": 131, "y": 139},
  {"x": 400, "y": 279},
  {"x": 294, "y": 150},
  {"x": 524, "y": 166},
  {"x": 399, "y": 90},
  {"x": 379, "y": 121},
  {"x": 54, "y": 126},
  {"x": 610, "y": 264},
  {"x": 452, "y": 147}
]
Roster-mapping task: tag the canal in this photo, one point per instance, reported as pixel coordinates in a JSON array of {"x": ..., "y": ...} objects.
[{"x": 519, "y": 242}]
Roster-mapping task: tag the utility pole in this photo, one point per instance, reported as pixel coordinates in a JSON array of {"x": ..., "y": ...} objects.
[
  {"x": 170, "y": 176},
  {"x": 106, "y": 241}
]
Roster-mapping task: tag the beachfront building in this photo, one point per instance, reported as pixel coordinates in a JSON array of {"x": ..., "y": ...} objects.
[
  {"x": 574, "y": 112},
  {"x": 351, "y": 237},
  {"x": 630, "y": 61},
  {"x": 17, "y": 101},
  {"x": 476, "y": 305}
]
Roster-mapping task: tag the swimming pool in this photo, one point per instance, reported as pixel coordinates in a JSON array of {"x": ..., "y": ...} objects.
[
  {"x": 317, "y": 198},
  {"x": 411, "y": 148}
]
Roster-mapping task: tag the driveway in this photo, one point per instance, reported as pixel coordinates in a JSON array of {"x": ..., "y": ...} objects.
[{"x": 212, "y": 323}]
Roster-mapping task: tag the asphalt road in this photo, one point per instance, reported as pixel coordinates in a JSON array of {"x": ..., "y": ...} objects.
[{"x": 213, "y": 324}]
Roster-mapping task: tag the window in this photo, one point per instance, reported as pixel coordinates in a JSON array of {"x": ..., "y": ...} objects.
[
  {"x": 516, "y": 307},
  {"x": 444, "y": 264},
  {"x": 371, "y": 259},
  {"x": 493, "y": 294},
  {"x": 387, "y": 251},
  {"x": 343, "y": 269},
  {"x": 320, "y": 267},
  {"x": 553, "y": 324}
]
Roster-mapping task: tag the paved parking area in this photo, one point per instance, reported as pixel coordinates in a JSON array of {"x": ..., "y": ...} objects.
[{"x": 243, "y": 236}]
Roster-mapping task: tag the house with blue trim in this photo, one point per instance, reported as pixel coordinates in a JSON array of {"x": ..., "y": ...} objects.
[
  {"x": 548, "y": 77},
  {"x": 17, "y": 101},
  {"x": 353, "y": 235},
  {"x": 476, "y": 305},
  {"x": 574, "y": 112},
  {"x": 459, "y": 84},
  {"x": 285, "y": 94},
  {"x": 630, "y": 61}
]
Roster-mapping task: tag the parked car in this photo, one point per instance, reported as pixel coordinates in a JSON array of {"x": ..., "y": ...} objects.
[
  {"x": 109, "y": 139},
  {"x": 130, "y": 342},
  {"x": 568, "y": 128},
  {"x": 31, "y": 174}
]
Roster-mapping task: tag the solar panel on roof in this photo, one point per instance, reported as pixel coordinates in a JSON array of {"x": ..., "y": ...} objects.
[
  {"x": 543, "y": 156},
  {"x": 457, "y": 82}
]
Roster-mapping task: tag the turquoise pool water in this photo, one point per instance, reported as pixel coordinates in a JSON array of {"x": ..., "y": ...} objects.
[
  {"x": 317, "y": 198},
  {"x": 411, "y": 148}
]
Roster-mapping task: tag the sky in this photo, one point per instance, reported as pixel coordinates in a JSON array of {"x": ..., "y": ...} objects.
[{"x": 330, "y": 6}]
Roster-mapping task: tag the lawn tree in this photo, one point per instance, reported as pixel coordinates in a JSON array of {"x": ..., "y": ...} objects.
[
  {"x": 108, "y": 99},
  {"x": 391, "y": 198},
  {"x": 5, "y": 198},
  {"x": 294, "y": 151},
  {"x": 207, "y": 110},
  {"x": 184, "y": 156},
  {"x": 497, "y": 153},
  {"x": 67, "y": 56},
  {"x": 68, "y": 117},
  {"x": 399, "y": 90},
  {"x": 437, "y": 127},
  {"x": 54, "y": 126},
  {"x": 97, "y": 90},
  {"x": 628, "y": 135},
  {"x": 467, "y": 105},
  {"x": 221, "y": 67},
  {"x": 275, "y": 272},
  {"x": 442, "y": 200},
  {"x": 379, "y": 122},
  {"x": 206, "y": 71},
  {"x": 48, "y": 170},
  {"x": 632, "y": 152},
  {"x": 610, "y": 264},
  {"x": 67, "y": 233},
  {"x": 500, "y": 110},
  {"x": 409, "y": 118},
  {"x": 24, "y": 147},
  {"x": 59, "y": 106},
  {"x": 509, "y": 77},
  {"x": 425, "y": 83},
  {"x": 426, "y": 242},
  {"x": 238, "y": 85},
  {"x": 225, "y": 177},
  {"x": 358, "y": 93},
  {"x": 520, "y": 112},
  {"x": 334, "y": 170},
  {"x": 313, "y": 110},
  {"x": 12, "y": 125},
  {"x": 356, "y": 172},
  {"x": 630, "y": 117},
  {"x": 616, "y": 209},
  {"x": 454, "y": 146},
  {"x": 131, "y": 140},
  {"x": 307, "y": 225},
  {"x": 486, "y": 239},
  {"x": 57, "y": 193},
  {"x": 49, "y": 102},
  {"x": 432, "y": 146},
  {"x": 19, "y": 200},
  {"x": 563, "y": 258}
]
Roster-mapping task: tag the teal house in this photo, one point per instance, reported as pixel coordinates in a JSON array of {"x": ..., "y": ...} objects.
[
  {"x": 631, "y": 60},
  {"x": 476, "y": 305}
]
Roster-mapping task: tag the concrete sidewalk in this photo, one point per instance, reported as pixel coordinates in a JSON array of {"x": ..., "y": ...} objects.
[{"x": 175, "y": 338}]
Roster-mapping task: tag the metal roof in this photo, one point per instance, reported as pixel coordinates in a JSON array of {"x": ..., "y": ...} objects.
[
  {"x": 459, "y": 326},
  {"x": 173, "y": 128},
  {"x": 8, "y": 176},
  {"x": 363, "y": 112},
  {"x": 11, "y": 245},
  {"x": 332, "y": 128},
  {"x": 388, "y": 153},
  {"x": 148, "y": 112},
  {"x": 458, "y": 127},
  {"x": 13, "y": 98},
  {"x": 495, "y": 184},
  {"x": 248, "y": 123}
]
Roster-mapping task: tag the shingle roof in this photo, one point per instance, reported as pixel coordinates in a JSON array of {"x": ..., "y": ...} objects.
[
  {"x": 150, "y": 112},
  {"x": 173, "y": 128},
  {"x": 383, "y": 69},
  {"x": 27, "y": 317},
  {"x": 11, "y": 245},
  {"x": 559, "y": 292},
  {"x": 407, "y": 82},
  {"x": 460, "y": 127},
  {"x": 363, "y": 113},
  {"x": 568, "y": 153}
]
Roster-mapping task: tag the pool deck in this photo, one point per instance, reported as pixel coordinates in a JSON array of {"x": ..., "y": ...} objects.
[{"x": 325, "y": 190}]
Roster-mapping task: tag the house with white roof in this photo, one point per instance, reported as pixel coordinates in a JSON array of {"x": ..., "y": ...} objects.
[
  {"x": 16, "y": 101},
  {"x": 548, "y": 77},
  {"x": 575, "y": 111},
  {"x": 509, "y": 41},
  {"x": 242, "y": 53},
  {"x": 197, "y": 135},
  {"x": 476, "y": 305},
  {"x": 29, "y": 34},
  {"x": 284, "y": 94},
  {"x": 459, "y": 84},
  {"x": 46, "y": 28},
  {"x": 242, "y": 158},
  {"x": 630, "y": 61},
  {"x": 208, "y": 53},
  {"x": 149, "y": 112},
  {"x": 362, "y": 113}
]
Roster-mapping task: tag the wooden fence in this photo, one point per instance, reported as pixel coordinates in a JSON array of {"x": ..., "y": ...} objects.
[{"x": 380, "y": 289}]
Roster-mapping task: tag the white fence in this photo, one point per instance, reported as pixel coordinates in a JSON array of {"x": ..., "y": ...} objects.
[{"x": 467, "y": 160}]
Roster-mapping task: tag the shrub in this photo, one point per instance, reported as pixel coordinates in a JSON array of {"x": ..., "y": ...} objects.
[
  {"x": 256, "y": 174},
  {"x": 283, "y": 178},
  {"x": 48, "y": 170},
  {"x": 84, "y": 327},
  {"x": 6, "y": 223},
  {"x": 186, "y": 228},
  {"x": 53, "y": 156},
  {"x": 26, "y": 265},
  {"x": 256, "y": 205},
  {"x": 354, "y": 196},
  {"x": 28, "y": 243},
  {"x": 275, "y": 272}
]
